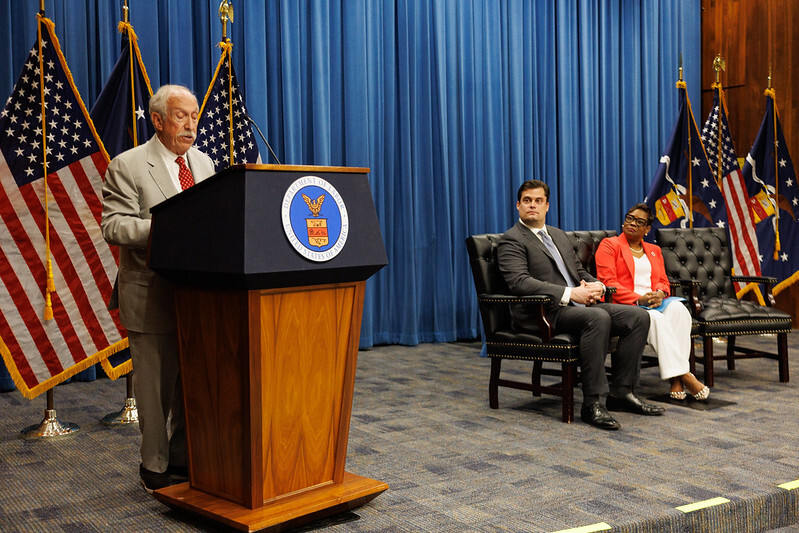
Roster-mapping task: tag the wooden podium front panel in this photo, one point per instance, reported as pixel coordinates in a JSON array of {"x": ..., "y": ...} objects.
[
  {"x": 215, "y": 365},
  {"x": 309, "y": 347}
]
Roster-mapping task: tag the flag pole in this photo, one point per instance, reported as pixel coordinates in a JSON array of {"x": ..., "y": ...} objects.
[
  {"x": 125, "y": 28},
  {"x": 225, "y": 15},
  {"x": 50, "y": 284},
  {"x": 718, "y": 65},
  {"x": 682, "y": 85},
  {"x": 129, "y": 414},
  {"x": 51, "y": 426},
  {"x": 771, "y": 93}
]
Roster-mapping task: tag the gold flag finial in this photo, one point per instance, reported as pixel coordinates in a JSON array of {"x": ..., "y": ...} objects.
[
  {"x": 769, "y": 76},
  {"x": 718, "y": 65},
  {"x": 125, "y": 13},
  {"x": 225, "y": 15}
]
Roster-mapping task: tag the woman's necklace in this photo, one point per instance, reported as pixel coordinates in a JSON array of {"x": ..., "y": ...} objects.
[{"x": 638, "y": 251}]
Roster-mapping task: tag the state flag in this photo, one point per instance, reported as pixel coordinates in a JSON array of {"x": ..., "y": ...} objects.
[
  {"x": 683, "y": 192},
  {"x": 771, "y": 183}
]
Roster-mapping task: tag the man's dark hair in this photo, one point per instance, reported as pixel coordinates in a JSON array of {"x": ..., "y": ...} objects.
[
  {"x": 645, "y": 208},
  {"x": 532, "y": 184}
]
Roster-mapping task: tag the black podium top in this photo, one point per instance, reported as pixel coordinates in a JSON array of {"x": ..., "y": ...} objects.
[{"x": 269, "y": 226}]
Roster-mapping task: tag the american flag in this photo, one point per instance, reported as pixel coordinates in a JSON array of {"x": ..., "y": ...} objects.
[
  {"x": 718, "y": 144},
  {"x": 41, "y": 353},
  {"x": 218, "y": 127},
  {"x": 771, "y": 182},
  {"x": 676, "y": 200}
]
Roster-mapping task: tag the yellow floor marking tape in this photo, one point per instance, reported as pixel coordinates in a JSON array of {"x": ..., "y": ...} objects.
[
  {"x": 701, "y": 505},
  {"x": 602, "y": 526}
]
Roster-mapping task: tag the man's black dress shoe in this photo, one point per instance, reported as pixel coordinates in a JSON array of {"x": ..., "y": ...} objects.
[
  {"x": 153, "y": 480},
  {"x": 633, "y": 404},
  {"x": 596, "y": 415},
  {"x": 178, "y": 473}
]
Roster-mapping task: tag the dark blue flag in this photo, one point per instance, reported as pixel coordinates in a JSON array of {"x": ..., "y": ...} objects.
[
  {"x": 122, "y": 122},
  {"x": 673, "y": 197},
  {"x": 771, "y": 183},
  {"x": 120, "y": 101}
]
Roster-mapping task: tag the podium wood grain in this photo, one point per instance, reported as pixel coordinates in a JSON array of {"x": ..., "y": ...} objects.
[{"x": 268, "y": 378}]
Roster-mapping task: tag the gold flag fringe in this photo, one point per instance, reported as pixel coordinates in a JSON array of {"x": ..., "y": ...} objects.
[{"x": 31, "y": 393}]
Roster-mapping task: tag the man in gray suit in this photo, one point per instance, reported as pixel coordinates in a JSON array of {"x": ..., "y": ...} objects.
[
  {"x": 135, "y": 181},
  {"x": 538, "y": 259}
]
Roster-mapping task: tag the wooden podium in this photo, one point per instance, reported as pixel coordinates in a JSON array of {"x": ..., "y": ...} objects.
[{"x": 269, "y": 314}]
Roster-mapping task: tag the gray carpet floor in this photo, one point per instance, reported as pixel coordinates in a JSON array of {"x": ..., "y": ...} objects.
[{"x": 421, "y": 423}]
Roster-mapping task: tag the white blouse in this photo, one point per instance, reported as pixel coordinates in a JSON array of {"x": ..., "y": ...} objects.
[{"x": 643, "y": 275}]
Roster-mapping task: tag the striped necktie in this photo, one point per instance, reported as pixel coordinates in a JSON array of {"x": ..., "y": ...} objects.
[{"x": 553, "y": 250}]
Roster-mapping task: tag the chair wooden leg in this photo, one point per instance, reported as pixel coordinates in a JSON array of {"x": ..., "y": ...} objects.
[
  {"x": 692, "y": 358},
  {"x": 493, "y": 383},
  {"x": 782, "y": 351},
  {"x": 569, "y": 379},
  {"x": 536, "y": 378},
  {"x": 707, "y": 348},
  {"x": 731, "y": 352}
]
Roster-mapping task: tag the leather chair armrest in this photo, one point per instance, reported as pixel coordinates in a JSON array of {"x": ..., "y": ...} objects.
[
  {"x": 510, "y": 299},
  {"x": 767, "y": 282},
  {"x": 609, "y": 292},
  {"x": 691, "y": 288},
  {"x": 539, "y": 301}
]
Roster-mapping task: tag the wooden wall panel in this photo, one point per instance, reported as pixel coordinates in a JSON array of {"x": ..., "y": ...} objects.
[{"x": 740, "y": 30}]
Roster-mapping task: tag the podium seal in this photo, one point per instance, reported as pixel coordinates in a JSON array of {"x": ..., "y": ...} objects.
[{"x": 315, "y": 218}]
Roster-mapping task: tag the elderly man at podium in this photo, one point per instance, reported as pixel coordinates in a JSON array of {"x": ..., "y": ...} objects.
[{"x": 137, "y": 180}]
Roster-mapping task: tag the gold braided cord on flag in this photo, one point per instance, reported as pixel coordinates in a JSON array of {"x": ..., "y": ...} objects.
[
  {"x": 50, "y": 25},
  {"x": 133, "y": 47},
  {"x": 230, "y": 99},
  {"x": 716, "y": 86},
  {"x": 771, "y": 93},
  {"x": 684, "y": 86},
  {"x": 227, "y": 48},
  {"x": 134, "y": 42},
  {"x": 50, "y": 283},
  {"x": 129, "y": 28},
  {"x": 68, "y": 73}
]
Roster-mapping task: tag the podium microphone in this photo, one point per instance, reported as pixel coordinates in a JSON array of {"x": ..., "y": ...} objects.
[{"x": 251, "y": 121}]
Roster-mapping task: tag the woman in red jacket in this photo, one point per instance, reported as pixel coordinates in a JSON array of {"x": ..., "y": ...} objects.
[{"x": 637, "y": 271}]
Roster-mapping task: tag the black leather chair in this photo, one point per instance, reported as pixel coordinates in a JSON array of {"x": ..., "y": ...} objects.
[
  {"x": 543, "y": 346},
  {"x": 700, "y": 261}
]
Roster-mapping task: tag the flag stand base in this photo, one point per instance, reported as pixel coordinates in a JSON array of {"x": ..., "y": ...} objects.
[
  {"x": 50, "y": 427},
  {"x": 128, "y": 415}
]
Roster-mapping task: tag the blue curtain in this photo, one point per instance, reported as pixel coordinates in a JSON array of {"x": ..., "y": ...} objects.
[{"x": 451, "y": 103}]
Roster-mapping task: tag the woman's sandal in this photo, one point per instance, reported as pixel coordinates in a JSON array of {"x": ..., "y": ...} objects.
[
  {"x": 677, "y": 395},
  {"x": 703, "y": 393}
]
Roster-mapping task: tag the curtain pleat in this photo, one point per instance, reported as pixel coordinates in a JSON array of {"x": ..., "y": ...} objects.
[{"x": 451, "y": 104}]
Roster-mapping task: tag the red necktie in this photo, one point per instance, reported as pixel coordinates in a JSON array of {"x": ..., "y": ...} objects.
[{"x": 184, "y": 174}]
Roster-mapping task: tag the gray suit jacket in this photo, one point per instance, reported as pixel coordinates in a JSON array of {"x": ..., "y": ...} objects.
[
  {"x": 528, "y": 268},
  {"x": 135, "y": 181}
]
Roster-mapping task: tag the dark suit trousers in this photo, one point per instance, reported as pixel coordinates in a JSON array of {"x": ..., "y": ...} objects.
[{"x": 596, "y": 325}]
